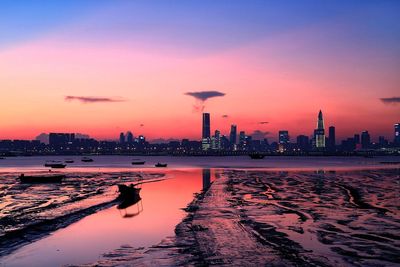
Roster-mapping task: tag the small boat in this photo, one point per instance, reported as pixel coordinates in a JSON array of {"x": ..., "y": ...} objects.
[
  {"x": 126, "y": 191},
  {"x": 55, "y": 164},
  {"x": 69, "y": 161},
  {"x": 55, "y": 178},
  {"x": 256, "y": 156},
  {"x": 161, "y": 165},
  {"x": 86, "y": 159},
  {"x": 138, "y": 162}
]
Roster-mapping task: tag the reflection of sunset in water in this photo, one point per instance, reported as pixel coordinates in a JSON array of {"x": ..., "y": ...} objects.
[{"x": 87, "y": 239}]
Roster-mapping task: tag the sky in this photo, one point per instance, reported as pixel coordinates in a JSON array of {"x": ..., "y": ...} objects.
[{"x": 152, "y": 67}]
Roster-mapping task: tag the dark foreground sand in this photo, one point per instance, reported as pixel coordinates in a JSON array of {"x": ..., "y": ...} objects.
[{"x": 260, "y": 218}]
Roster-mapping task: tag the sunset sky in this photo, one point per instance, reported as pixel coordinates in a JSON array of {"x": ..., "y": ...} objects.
[{"x": 102, "y": 67}]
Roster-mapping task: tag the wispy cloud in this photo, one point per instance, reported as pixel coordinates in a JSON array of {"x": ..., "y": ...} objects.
[
  {"x": 92, "y": 99},
  {"x": 201, "y": 97},
  {"x": 391, "y": 100},
  {"x": 225, "y": 116},
  {"x": 263, "y": 122}
]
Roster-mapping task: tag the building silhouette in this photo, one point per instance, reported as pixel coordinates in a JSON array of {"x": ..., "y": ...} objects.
[
  {"x": 332, "y": 139},
  {"x": 283, "y": 137},
  {"x": 129, "y": 137},
  {"x": 365, "y": 140},
  {"x": 206, "y": 126},
  {"x": 206, "y": 132},
  {"x": 397, "y": 134},
  {"x": 233, "y": 134},
  {"x": 303, "y": 143},
  {"x": 61, "y": 140},
  {"x": 122, "y": 138},
  {"x": 319, "y": 132}
]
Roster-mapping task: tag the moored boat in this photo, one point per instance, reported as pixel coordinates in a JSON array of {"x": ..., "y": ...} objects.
[
  {"x": 161, "y": 165},
  {"x": 256, "y": 156},
  {"x": 45, "y": 178},
  {"x": 69, "y": 161},
  {"x": 138, "y": 162},
  {"x": 55, "y": 164},
  {"x": 86, "y": 159}
]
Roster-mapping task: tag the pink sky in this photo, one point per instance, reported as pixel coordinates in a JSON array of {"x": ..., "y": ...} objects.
[{"x": 283, "y": 79}]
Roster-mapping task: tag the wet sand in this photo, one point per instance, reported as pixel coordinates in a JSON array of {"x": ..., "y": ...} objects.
[
  {"x": 28, "y": 212},
  {"x": 253, "y": 218}
]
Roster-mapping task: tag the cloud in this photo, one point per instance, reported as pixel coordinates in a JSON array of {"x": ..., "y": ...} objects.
[
  {"x": 263, "y": 122},
  {"x": 225, "y": 116},
  {"x": 91, "y": 99},
  {"x": 391, "y": 100},
  {"x": 141, "y": 125},
  {"x": 258, "y": 134},
  {"x": 204, "y": 95},
  {"x": 201, "y": 97}
]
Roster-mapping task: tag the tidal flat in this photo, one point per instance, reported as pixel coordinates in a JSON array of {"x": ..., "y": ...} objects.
[{"x": 283, "y": 218}]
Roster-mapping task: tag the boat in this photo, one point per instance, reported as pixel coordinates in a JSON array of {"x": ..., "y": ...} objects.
[
  {"x": 86, "y": 159},
  {"x": 127, "y": 191},
  {"x": 256, "y": 156},
  {"x": 161, "y": 165},
  {"x": 46, "y": 178},
  {"x": 55, "y": 164},
  {"x": 69, "y": 161},
  {"x": 138, "y": 162}
]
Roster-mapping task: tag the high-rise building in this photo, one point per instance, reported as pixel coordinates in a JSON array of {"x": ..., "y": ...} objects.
[
  {"x": 216, "y": 140},
  {"x": 365, "y": 140},
  {"x": 129, "y": 137},
  {"x": 319, "y": 132},
  {"x": 356, "y": 138},
  {"x": 122, "y": 138},
  {"x": 206, "y": 126},
  {"x": 383, "y": 142},
  {"x": 242, "y": 138},
  {"x": 303, "y": 142},
  {"x": 233, "y": 134},
  {"x": 332, "y": 138},
  {"x": 284, "y": 137},
  {"x": 61, "y": 140},
  {"x": 397, "y": 134}
]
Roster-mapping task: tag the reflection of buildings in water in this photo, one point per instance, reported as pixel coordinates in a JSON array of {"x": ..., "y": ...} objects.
[{"x": 206, "y": 178}]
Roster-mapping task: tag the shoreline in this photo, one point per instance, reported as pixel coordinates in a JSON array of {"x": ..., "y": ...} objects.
[{"x": 237, "y": 221}]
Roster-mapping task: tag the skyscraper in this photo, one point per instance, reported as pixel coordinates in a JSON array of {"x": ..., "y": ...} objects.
[
  {"x": 365, "y": 139},
  {"x": 303, "y": 142},
  {"x": 121, "y": 138},
  {"x": 129, "y": 137},
  {"x": 233, "y": 134},
  {"x": 319, "y": 132},
  {"x": 283, "y": 137},
  {"x": 397, "y": 134},
  {"x": 332, "y": 138},
  {"x": 206, "y": 126}
]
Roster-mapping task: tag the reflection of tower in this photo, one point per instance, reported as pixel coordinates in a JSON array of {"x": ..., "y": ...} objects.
[
  {"x": 319, "y": 133},
  {"x": 206, "y": 178}
]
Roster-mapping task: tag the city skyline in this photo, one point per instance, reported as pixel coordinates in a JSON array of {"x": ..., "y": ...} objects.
[{"x": 263, "y": 65}]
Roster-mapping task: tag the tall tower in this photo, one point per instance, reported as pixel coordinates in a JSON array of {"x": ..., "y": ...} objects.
[
  {"x": 319, "y": 133},
  {"x": 233, "y": 134},
  {"x": 206, "y": 126},
  {"x": 332, "y": 138}
]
